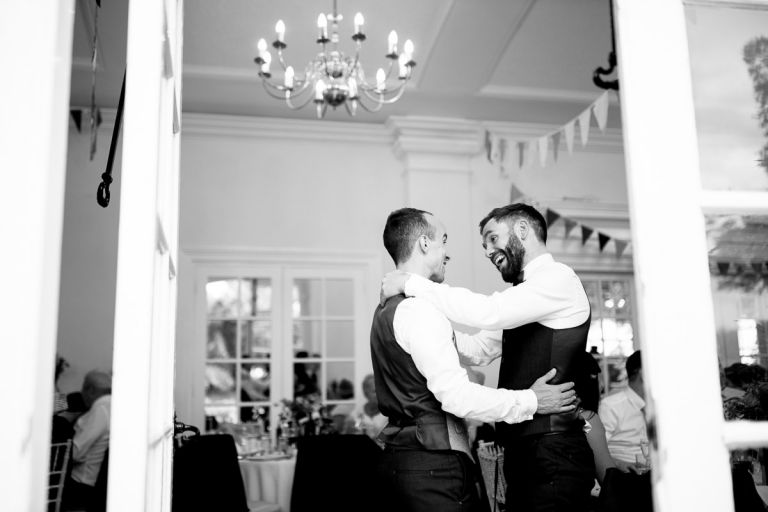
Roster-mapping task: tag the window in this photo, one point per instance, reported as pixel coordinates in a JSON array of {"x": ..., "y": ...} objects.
[
  {"x": 611, "y": 334},
  {"x": 279, "y": 332}
]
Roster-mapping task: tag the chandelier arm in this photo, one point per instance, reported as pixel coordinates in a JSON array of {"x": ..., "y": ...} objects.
[
  {"x": 270, "y": 88},
  {"x": 281, "y": 60},
  {"x": 289, "y": 102},
  {"x": 381, "y": 100},
  {"x": 374, "y": 109}
]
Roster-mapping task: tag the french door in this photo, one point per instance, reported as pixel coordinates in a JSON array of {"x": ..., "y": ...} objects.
[{"x": 698, "y": 196}]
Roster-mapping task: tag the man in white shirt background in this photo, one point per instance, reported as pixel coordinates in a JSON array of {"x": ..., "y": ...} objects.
[
  {"x": 423, "y": 389},
  {"x": 90, "y": 442},
  {"x": 622, "y": 415},
  {"x": 540, "y": 322}
]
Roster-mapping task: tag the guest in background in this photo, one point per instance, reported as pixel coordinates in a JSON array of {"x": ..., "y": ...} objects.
[
  {"x": 623, "y": 417},
  {"x": 368, "y": 418},
  {"x": 91, "y": 440},
  {"x": 588, "y": 389}
]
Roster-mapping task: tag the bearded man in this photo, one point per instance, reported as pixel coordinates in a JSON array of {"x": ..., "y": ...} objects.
[{"x": 538, "y": 323}]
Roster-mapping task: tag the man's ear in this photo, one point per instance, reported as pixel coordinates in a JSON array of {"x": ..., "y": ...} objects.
[
  {"x": 523, "y": 229},
  {"x": 424, "y": 244}
]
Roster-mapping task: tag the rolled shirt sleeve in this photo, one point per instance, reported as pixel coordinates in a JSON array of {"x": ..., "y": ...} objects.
[{"x": 425, "y": 333}]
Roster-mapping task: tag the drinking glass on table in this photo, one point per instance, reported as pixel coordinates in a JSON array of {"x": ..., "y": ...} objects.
[{"x": 642, "y": 459}]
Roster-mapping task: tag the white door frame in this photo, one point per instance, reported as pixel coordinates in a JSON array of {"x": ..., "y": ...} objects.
[
  {"x": 36, "y": 51},
  {"x": 690, "y": 438}
]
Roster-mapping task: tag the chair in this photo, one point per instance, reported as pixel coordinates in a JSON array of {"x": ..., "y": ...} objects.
[
  {"x": 206, "y": 476},
  {"x": 57, "y": 473},
  {"x": 625, "y": 492},
  {"x": 491, "y": 460},
  {"x": 336, "y": 472}
]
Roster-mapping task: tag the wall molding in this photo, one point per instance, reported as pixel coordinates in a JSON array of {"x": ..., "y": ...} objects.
[{"x": 238, "y": 255}]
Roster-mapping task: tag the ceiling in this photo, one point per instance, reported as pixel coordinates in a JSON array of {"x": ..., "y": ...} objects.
[{"x": 495, "y": 60}]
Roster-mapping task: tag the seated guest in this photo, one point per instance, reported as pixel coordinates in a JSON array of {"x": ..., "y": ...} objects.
[
  {"x": 623, "y": 417},
  {"x": 90, "y": 442},
  {"x": 368, "y": 418}
]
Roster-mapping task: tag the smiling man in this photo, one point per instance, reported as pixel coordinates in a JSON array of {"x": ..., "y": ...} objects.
[
  {"x": 424, "y": 391},
  {"x": 538, "y": 323}
]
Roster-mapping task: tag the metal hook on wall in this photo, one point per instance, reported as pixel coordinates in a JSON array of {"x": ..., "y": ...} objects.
[
  {"x": 597, "y": 75},
  {"x": 102, "y": 194}
]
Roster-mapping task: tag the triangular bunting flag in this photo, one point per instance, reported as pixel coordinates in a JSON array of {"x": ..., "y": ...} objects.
[
  {"x": 722, "y": 267},
  {"x": 551, "y": 216},
  {"x": 502, "y": 153},
  {"x": 77, "y": 117},
  {"x": 585, "y": 234},
  {"x": 757, "y": 266},
  {"x": 555, "y": 144},
  {"x": 601, "y": 110},
  {"x": 515, "y": 195},
  {"x": 584, "y": 125},
  {"x": 603, "y": 239},
  {"x": 543, "y": 144},
  {"x": 530, "y": 151},
  {"x": 569, "y": 225},
  {"x": 488, "y": 146},
  {"x": 569, "y": 130},
  {"x": 621, "y": 245},
  {"x": 520, "y": 154}
]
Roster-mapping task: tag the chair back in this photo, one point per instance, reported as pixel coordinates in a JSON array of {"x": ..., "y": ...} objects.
[
  {"x": 57, "y": 473},
  {"x": 206, "y": 476},
  {"x": 625, "y": 492},
  {"x": 490, "y": 457},
  {"x": 336, "y": 472}
]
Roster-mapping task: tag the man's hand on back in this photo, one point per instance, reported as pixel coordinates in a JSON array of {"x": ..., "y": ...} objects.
[
  {"x": 553, "y": 398},
  {"x": 393, "y": 284}
]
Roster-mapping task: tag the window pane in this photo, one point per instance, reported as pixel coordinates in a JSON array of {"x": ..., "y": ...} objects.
[
  {"x": 219, "y": 384},
  {"x": 221, "y": 339},
  {"x": 255, "y": 380},
  {"x": 307, "y": 297},
  {"x": 221, "y": 295},
  {"x": 595, "y": 336},
  {"x": 730, "y": 89},
  {"x": 341, "y": 376},
  {"x": 340, "y": 338},
  {"x": 256, "y": 338},
  {"x": 306, "y": 379},
  {"x": 615, "y": 298},
  {"x": 221, "y": 414},
  {"x": 255, "y": 297},
  {"x": 251, "y": 413},
  {"x": 307, "y": 341},
  {"x": 591, "y": 288},
  {"x": 738, "y": 266},
  {"x": 339, "y": 297},
  {"x": 617, "y": 335}
]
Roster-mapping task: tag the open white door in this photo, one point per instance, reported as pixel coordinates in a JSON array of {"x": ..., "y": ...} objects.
[
  {"x": 142, "y": 405},
  {"x": 676, "y": 192},
  {"x": 36, "y": 52}
]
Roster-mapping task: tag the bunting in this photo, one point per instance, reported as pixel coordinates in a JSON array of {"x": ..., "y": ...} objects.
[
  {"x": 496, "y": 146},
  {"x": 551, "y": 217},
  {"x": 725, "y": 268}
]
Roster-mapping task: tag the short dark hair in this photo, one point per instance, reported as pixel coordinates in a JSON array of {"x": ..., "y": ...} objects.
[
  {"x": 634, "y": 364},
  {"x": 519, "y": 210},
  {"x": 403, "y": 228}
]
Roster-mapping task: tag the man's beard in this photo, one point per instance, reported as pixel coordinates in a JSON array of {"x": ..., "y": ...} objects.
[{"x": 514, "y": 253}]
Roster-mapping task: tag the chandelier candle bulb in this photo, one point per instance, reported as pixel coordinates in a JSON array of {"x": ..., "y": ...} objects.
[
  {"x": 262, "y": 47},
  {"x": 381, "y": 78},
  {"x": 359, "y": 22},
  {"x": 408, "y": 50},
  {"x": 319, "y": 90},
  {"x": 289, "y": 77},
  {"x": 322, "y": 26},
  {"x": 352, "y": 88},
  {"x": 267, "y": 60},
  {"x": 392, "y": 43},
  {"x": 280, "y": 29},
  {"x": 402, "y": 65}
]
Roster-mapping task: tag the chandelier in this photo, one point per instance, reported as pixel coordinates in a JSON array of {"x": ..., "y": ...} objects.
[{"x": 333, "y": 78}]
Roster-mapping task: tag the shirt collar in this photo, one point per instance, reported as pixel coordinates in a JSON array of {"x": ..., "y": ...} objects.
[
  {"x": 536, "y": 263},
  {"x": 634, "y": 398}
]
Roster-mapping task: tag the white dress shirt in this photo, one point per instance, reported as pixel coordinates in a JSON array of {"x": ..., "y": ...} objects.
[
  {"x": 426, "y": 334},
  {"x": 551, "y": 294},
  {"x": 622, "y": 415},
  {"x": 91, "y": 441}
]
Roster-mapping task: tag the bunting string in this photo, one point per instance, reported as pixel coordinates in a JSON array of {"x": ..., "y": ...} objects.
[
  {"x": 497, "y": 147},
  {"x": 586, "y": 232}
]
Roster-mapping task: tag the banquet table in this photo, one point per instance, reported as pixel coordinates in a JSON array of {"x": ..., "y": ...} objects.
[{"x": 269, "y": 479}]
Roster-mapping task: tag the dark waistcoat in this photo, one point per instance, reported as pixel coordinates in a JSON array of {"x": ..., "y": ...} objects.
[
  {"x": 530, "y": 351},
  {"x": 416, "y": 419}
]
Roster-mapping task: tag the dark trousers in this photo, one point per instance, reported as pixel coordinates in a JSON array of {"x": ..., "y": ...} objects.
[
  {"x": 430, "y": 481},
  {"x": 549, "y": 473},
  {"x": 77, "y": 496}
]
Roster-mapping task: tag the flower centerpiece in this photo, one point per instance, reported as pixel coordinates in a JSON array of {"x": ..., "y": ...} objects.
[{"x": 305, "y": 416}]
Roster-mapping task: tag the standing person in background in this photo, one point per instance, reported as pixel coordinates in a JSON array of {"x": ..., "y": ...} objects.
[
  {"x": 539, "y": 322},
  {"x": 622, "y": 414},
  {"x": 90, "y": 442},
  {"x": 423, "y": 389}
]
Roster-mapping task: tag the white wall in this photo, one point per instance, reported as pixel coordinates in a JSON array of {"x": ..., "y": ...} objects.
[{"x": 88, "y": 258}]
